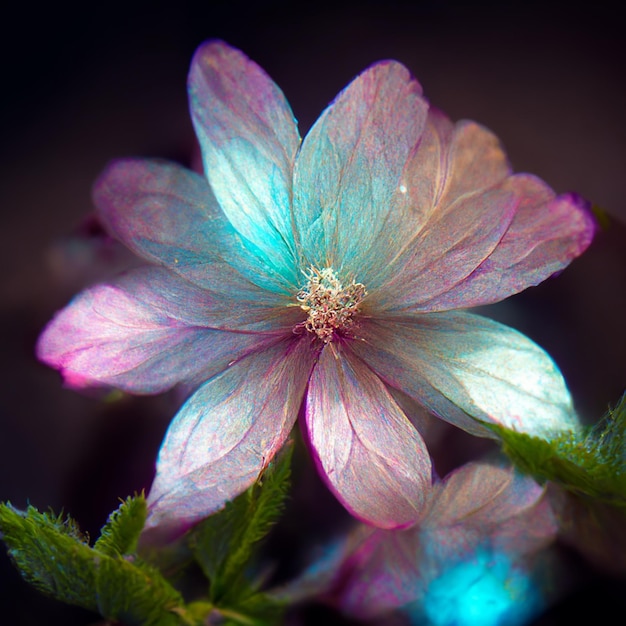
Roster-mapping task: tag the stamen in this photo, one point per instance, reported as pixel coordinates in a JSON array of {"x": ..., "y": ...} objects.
[{"x": 331, "y": 307}]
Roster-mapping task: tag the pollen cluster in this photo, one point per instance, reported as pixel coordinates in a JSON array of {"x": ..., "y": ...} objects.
[{"x": 330, "y": 306}]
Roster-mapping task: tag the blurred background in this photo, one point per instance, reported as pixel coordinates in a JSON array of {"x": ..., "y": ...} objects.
[{"x": 83, "y": 86}]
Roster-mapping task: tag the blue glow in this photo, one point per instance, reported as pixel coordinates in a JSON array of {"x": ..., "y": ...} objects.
[{"x": 487, "y": 590}]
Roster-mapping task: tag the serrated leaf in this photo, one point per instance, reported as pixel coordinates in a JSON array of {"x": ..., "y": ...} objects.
[
  {"x": 52, "y": 555},
  {"x": 120, "y": 534},
  {"x": 135, "y": 593},
  {"x": 591, "y": 462},
  {"x": 224, "y": 543}
]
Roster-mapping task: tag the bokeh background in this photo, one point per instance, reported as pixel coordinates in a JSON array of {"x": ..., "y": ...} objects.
[{"x": 81, "y": 86}]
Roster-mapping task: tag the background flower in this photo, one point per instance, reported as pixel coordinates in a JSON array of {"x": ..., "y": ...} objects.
[{"x": 468, "y": 558}]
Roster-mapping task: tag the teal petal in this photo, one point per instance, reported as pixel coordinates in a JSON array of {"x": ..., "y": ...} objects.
[
  {"x": 249, "y": 138},
  {"x": 477, "y": 507},
  {"x": 168, "y": 215},
  {"x": 348, "y": 173}
]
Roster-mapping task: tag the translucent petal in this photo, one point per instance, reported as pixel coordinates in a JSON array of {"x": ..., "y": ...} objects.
[
  {"x": 468, "y": 369},
  {"x": 370, "y": 455},
  {"x": 468, "y": 232},
  {"x": 447, "y": 251},
  {"x": 384, "y": 573},
  {"x": 248, "y": 137},
  {"x": 148, "y": 330},
  {"x": 546, "y": 234},
  {"x": 225, "y": 434},
  {"x": 349, "y": 169},
  {"x": 479, "y": 494},
  {"x": 169, "y": 215},
  {"x": 480, "y": 503},
  {"x": 480, "y": 508}
]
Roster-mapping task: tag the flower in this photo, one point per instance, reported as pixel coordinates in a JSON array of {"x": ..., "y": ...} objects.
[
  {"x": 322, "y": 274},
  {"x": 467, "y": 560}
]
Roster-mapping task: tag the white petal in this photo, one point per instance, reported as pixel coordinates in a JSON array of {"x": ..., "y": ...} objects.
[
  {"x": 370, "y": 455},
  {"x": 225, "y": 434},
  {"x": 468, "y": 369}
]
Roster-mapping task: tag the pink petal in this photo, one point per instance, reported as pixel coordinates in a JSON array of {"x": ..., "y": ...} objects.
[
  {"x": 546, "y": 234},
  {"x": 469, "y": 233},
  {"x": 447, "y": 251},
  {"x": 482, "y": 493},
  {"x": 442, "y": 211},
  {"x": 148, "y": 330},
  {"x": 169, "y": 215},
  {"x": 348, "y": 172},
  {"x": 383, "y": 572},
  {"x": 371, "y": 457},
  {"x": 479, "y": 507},
  {"x": 248, "y": 137},
  {"x": 480, "y": 502},
  {"x": 469, "y": 370},
  {"x": 225, "y": 434}
]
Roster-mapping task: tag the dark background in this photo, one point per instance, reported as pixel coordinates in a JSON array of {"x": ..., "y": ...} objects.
[{"x": 83, "y": 86}]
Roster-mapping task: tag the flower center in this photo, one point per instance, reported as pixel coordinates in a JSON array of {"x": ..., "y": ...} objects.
[{"x": 330, "y": 306}]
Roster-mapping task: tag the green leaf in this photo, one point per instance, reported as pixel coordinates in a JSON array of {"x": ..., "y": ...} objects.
[
  {"x": 224, "y": 543},
  {"x": 257, "y": 609},
  {"x": 52, "y": 555},
  {"x": 120, "y": 534},
  {"x": 135, "y": 593},
  {"x": 267, "y": 611},
  {"x": 591, "y": 462}
]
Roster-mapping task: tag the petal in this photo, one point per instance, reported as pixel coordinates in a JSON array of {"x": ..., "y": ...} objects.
[
  {"x": 169, "y": 215},
  {"x": 468, "y": 369},
  {"x": 146, "y": 331},
  {"x": 472, "y": 234},
  {"x": 481, "y": 494},
  {"x": 348, "y": 172},
  {"x": 225, "y": 434},
  {"x": 383, "y": 573},
  {"x": 370, "y": 455},
  {"x": 546, "y": 234},
  {"x": 454, "y": 212},
  {"x": 479, "y": 509},
  {"x": 481, "y": 504},
  {"x": 248, "y": 137}
]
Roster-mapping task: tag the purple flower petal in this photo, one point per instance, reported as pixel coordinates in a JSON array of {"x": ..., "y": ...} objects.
[
  {"x": 546, "y": 234},
  {"x": 383, "y": 572},
  {"x": 148, "y": 330},
  {"x": 468, "y": 369},
  {"x": 225, "y": 434},
  {"x": 248, "y": 137},
  {"x": 169, "y": 215},
  {"x": 478, "y": 507},
  {"x": 472, "y": 234},
  {"x": 370, "y": 455},
  {"x": 349, "y": 169},
  {"x": 480, "y": 499},
  {"x": 480, "y": 493}
]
